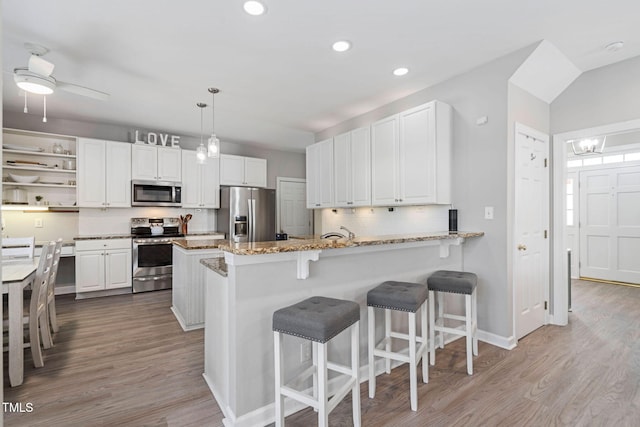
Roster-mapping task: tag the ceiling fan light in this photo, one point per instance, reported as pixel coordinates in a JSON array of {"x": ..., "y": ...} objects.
[{"x": 33, "y": 83}]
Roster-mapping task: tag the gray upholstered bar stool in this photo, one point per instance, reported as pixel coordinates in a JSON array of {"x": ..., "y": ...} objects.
[
  {"x": 399, "y": 296},
  {"x": 454, "y": 282},
  {"x": 318, "y": 319}
]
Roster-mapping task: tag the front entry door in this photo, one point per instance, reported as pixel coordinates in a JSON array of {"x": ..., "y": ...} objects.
[
  {"x": 531, "y": 245},
  {"x": 610, "y": 224}
]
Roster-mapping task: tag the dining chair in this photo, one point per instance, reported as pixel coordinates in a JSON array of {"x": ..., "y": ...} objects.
[
  {"x": 36, "y": 317},
  {"x": 18, "y": 247},
  {"x": 51, "y": 294}
]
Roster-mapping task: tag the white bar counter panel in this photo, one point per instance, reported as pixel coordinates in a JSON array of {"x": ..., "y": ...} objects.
[
  {"x": 189, "y": 278},
  {"x": 260, "y": 278}
]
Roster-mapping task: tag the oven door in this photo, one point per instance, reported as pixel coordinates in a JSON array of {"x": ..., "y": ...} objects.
[{"x": 152, "y": 257}]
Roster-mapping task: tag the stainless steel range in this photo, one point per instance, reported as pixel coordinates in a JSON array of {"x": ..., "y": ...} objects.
[{"x": 153, "y": 252}]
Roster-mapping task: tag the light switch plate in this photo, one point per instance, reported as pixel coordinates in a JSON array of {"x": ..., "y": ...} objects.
[
  {"x": 488, "y": 212},
  {"x": 38, "y": 223}
]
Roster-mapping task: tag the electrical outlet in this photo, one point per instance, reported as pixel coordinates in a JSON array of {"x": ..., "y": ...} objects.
[
  {"x": 305, "y": 351},
  {"x": 38, "y": 223}
]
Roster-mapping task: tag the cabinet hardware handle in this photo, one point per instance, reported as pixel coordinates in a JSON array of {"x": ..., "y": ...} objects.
[{"x": 522, "y": 247}]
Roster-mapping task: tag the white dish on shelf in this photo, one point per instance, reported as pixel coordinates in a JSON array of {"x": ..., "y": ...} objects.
[
  {"x": 21, "y": 148},
  {"x": 25, "y": 179}
]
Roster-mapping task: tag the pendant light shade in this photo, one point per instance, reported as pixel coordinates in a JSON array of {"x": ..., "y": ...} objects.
[
  {"x": 213, "y": 144},
  {"x": 201, "y": 151}
]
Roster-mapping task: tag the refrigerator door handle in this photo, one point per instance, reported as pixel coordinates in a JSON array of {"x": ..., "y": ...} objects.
[{"x": 253, "y": 220}]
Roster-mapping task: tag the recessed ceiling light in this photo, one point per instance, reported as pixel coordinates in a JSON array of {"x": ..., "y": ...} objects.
[
  {"x": 255, "y": 8},
  {"x": 614, "y": 47},
  {"x": 400, "y": 71},
  {"x": 341, "y": 46}
]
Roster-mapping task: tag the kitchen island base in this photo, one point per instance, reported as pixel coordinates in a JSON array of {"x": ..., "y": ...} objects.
[{"x": 239, "y": 361}]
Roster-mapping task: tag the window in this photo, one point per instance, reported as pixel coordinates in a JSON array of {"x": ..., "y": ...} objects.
[{"x": 570, "y": 210}]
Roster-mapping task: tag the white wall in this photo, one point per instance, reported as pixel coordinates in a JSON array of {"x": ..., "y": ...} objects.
[{"x": 480, "y": 174}]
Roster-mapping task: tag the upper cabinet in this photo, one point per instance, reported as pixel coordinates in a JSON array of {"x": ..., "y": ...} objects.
[
  {"x": 200, "y": 183},
  {"x": 156, "y": 163},
  {"x": 43, "y": 165},
  {"x": 320, "y": 174},
  {"x": 411, "y": 157},
  {"x": 352, "y": 168},
  {"x": 404, "y": 159},
  {"x": 104, "y": 174},
  {"x": 239, "y": 170}
]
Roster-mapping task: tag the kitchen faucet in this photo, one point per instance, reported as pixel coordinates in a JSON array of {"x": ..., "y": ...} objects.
[{"x": 351, "y": 233}]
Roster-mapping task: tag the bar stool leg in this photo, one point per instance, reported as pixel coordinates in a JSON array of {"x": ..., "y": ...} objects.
[
  {"x": 474, "y": 316},
  {"x": 469, "y": 336},
  {"x": 323, "y": 413},
  {"x": 277, "y": 341},
  {"x": 371, "y": 346},
  {"x": 423, "y": 345},
  {"x": 387, "y": 337},
  {"x": 314, "y": 360},
  {"x": 440, "y": 296},
  {"x": 432, "y": 327},
  {"x": 412, "y": 362},
  {"x": 355, "y": 368}
]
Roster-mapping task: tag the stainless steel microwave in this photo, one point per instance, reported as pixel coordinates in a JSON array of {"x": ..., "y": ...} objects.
[{"x": 156, "y": 193}]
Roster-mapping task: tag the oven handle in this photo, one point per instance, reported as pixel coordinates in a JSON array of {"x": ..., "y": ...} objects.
[
  {"x": 146, "y": 279},
  {"x": 148, "y": 242}
]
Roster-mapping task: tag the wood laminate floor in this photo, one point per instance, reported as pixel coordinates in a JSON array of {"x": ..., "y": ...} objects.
[{"x": 124, "y": 361}]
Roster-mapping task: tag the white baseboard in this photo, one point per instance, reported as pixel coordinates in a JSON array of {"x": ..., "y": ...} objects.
[
  {"x": 64, "y": 290},
  {"x": 182, "y": 322},
  {"x": 508, "y": 343}
]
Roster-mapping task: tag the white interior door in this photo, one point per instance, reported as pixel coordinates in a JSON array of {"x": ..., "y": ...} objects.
[
  {"x": 294, "y": 217},
  {"x": 610, "y": 224},
  {"x": 531, "y": 251}
]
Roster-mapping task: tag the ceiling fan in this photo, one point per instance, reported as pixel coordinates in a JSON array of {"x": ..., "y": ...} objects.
[{"x": 36, "y": 77}]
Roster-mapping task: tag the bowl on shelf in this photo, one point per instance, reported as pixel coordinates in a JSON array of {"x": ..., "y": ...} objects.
[{"x": 25, "y": 179}]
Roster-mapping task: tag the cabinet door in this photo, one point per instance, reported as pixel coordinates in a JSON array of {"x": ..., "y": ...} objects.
[
  {"x": 91, "y": 173},
  {"x": 384, "y": 161},
  {"x": 118, "y": 174},
  {"x": 360, "y": 165},
  {"x": 144, "y": 162},
  {"x": 231, "y": 170},
  {"x": 342, "y": 170},
  {"x": 169, "y": 164},
  {"x": 191, "y": 182},
  {"x": 313, "y": 179},
  {"x": 255, "y": 172},
  {"x": 325, "y": 171},
  {"x": 417, "y": 166},
  {"x": 89, "y": 271},
  {"x": 210, "y": 184},
  {"x": 117, "y": 268}
]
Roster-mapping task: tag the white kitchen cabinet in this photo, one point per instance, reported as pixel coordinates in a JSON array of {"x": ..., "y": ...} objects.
[
  {"x": 103, "y": 264},
  {"x": 320, "y": 174},
  {"x": 200, "y": 182},
  {"x": 104, "y": 174},
  {"x": 156, "y": 163},
  {"x": 352, "y": 168},
  {"x": 411, "y": 157},
  {"x": 239, "y": 170}
]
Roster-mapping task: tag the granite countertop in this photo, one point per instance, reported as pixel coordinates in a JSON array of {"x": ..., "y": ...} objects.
[
  {"x": 215, "y": 264},
  {"x": 64, "y": 243},
  {"x": 199, "y": 244},
  {"x": 315, "y": 243}
]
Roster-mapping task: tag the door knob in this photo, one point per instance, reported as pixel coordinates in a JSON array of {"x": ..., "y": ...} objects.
[{"x": 522, "y": 247}]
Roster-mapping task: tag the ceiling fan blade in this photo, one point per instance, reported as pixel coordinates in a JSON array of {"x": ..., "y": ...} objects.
[
  {"x": 40, "y": 66},
  {"x": 81, "y": 90}
]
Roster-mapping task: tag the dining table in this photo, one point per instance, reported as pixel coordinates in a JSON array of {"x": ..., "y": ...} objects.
[{"x": 16, "y": 275}]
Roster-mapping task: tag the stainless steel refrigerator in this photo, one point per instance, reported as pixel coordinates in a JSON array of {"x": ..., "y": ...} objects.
[{"x": 247, "y": 214}]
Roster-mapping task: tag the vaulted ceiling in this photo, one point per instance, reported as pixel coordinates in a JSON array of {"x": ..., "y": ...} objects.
[{"x": 278, "y": 77}]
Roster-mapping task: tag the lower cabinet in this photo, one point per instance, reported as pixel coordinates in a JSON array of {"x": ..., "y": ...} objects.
[{"x": 103, "y": 264}]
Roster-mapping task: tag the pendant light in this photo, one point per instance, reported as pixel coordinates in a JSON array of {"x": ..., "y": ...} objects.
[
  {"x": 213, "y": 145},
  {"x": 201, "y": 151}
]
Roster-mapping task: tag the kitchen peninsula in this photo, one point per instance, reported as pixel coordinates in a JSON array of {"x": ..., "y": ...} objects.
[{"x": 258, "y": 278}]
